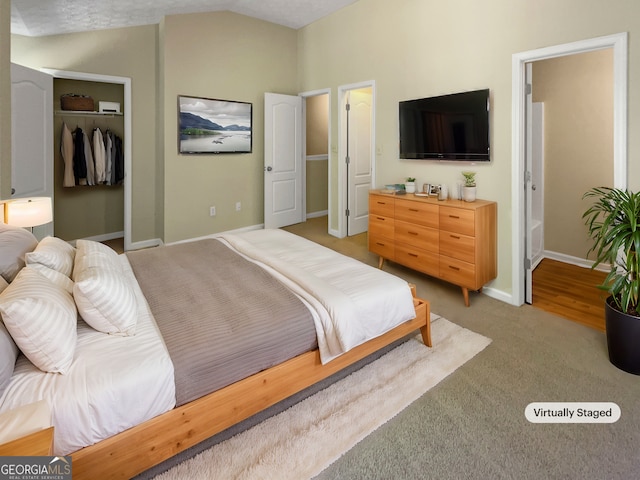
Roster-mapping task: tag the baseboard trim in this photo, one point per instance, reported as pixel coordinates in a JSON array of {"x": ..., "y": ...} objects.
[
  {"x": 322, "y": 213},
  {"x": 100, "y": 238},
  {"x": 580, "y": 262},
  {"x": 153, "y": 242},
  {"x": 219, "y": 234}
]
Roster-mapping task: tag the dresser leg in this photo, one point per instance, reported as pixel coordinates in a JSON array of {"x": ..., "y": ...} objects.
[
  {"x": 465, "y": 294},
  {"x": 381, "y": 262}
]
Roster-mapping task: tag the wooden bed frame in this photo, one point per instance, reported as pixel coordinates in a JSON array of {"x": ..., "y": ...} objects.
[{"x": 135, "y": 450}]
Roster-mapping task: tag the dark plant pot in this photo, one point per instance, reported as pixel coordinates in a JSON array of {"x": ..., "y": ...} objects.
[{"x": 623, "y": 339}]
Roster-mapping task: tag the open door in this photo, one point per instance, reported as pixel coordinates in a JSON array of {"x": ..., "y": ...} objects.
[
  {"x": 360, "y": 158},
  {"x": 283, "y": 166},
  {"x": 528, "y": 261},
  {"x": 32, "y": 137}
]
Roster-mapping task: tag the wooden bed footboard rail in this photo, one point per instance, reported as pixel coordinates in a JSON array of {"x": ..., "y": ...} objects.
[{"x": 150, "y": 443}]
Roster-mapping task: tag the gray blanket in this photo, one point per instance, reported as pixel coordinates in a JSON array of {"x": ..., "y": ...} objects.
[{"x": 222, "y": 317}]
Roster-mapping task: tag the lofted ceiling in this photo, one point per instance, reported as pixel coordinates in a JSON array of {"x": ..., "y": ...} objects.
[{"x": 36, "y": 18}]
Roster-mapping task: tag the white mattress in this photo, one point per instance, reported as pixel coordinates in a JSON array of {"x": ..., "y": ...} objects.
[{"x": 105, "y": 391}]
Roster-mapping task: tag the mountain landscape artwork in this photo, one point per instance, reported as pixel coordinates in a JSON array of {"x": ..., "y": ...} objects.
[{"x": 214, "y": 126}]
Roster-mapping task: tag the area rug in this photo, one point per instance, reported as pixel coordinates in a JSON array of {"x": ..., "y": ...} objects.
[{"x": 303, "y": 440}]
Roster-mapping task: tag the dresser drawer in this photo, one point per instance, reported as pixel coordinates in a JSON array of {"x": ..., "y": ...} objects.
[
  {"x": 381, "y": 246},
  {"x": 381, "y": 226},
  {"x": 458, "y": 272},
  {"x": 418, "y": 259},
  {"x": 418, "y": 236},
  {"x": 458, "y": 220},
  {"x": 380, "y": 205},
  {"x": 456, "y": 245},
  {"x": 417, "y": 212}
]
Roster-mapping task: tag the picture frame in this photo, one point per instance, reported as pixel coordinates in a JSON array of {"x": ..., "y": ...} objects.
[
  {"x": 434, "y": 190},
  {"x": 214, "y": 126}
]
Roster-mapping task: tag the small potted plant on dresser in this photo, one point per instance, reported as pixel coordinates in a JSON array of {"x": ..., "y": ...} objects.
[
  {"x": 410, "y": 185},
  {"x": 469, "y": 188},
  {"x": 613, "y": 222}
]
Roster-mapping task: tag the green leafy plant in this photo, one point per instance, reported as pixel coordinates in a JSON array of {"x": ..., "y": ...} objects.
[
  {"x": 613, "y": 221},
  {"x": 411, "y": 179},
  {"x": 469, "y": 179}
]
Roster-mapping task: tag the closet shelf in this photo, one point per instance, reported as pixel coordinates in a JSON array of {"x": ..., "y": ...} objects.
[{"x": 80, "y": 113}]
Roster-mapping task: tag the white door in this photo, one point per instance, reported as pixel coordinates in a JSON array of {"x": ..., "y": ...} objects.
[
  {"x": 360, "y": 159},
  {"x": 283, "y": 168},
  {"x": 528, "y": 187},
  {"x": 32, "y": 136}
]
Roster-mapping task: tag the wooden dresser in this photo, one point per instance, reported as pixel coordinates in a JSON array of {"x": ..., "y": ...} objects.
[{"x": 451, "y": 239}]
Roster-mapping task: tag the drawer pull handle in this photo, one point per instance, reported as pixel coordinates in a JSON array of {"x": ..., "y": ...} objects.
[
  {"x": 414, "y": 210},
  {"x": 455, "y": 236},
  {"x": 457, "y": 269},
  {"x": 413, "y": 255},
  {"x": 454, "y": 216},
  {"x": 381, "y": 244},
  {"x": 412, "y": 233},
  {"x": 381, "y": 219},
  {"x": 382, "y": 203}
]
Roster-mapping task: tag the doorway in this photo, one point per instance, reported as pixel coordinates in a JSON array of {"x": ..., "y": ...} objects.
[
  {"x": 356, "y": 165},
  {"x": 520, "y": 173}
]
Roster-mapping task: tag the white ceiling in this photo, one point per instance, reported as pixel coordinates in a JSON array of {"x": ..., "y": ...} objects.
[{"x": 50, "y": 17}]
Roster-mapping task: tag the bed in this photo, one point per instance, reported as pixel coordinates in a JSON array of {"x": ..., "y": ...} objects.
[{"x": 144, "y": 380}]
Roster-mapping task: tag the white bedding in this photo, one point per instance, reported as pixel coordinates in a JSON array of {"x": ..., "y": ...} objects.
[
  {"x": 116, "y": 382},
  {"x": 351, "y": 302},
  {"x": 105, "y": 392}
]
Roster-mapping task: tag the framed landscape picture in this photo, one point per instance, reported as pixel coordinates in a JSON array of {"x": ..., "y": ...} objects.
[{"x": 208, "y": 125}]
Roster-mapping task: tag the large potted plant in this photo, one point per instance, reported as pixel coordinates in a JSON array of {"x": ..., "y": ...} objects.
[{"x": 613, "y": 221}]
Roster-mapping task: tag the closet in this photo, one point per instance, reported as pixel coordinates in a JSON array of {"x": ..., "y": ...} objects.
[{"x": 87, "y": 211}]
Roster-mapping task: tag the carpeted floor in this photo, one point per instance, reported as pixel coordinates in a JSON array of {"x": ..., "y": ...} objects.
[
  {"x": 303, "y": 440},
  {"x": 472, "y": 424}
]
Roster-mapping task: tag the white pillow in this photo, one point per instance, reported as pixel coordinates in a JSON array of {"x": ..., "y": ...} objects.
[
  {"x": 105, "y": 300},
  {"x": 54, "y": 253},
  {"x": 56, "y": 277},
  {"x": 42, "y": 319},
  {"x": 89, "y": 248},
  {"x": 8, "y": 355},
  {"x": 15, "y": 242}
]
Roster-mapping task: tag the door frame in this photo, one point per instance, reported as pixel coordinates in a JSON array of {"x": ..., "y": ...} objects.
[
  {"x": 619, "y": 43},
  {"x": 342, "y": 200},
  {"x": 305, "y": 95},
  {"x": 126, "y": 182}
]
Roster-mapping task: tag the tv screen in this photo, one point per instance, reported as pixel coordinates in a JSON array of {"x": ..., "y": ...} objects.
[{"x": 447, "y": 127}]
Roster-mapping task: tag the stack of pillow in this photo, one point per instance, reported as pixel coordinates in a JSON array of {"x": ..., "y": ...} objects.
[{"x": 44, "y": 286}]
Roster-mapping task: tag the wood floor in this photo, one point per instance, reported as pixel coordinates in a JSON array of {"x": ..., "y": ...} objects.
[{"x": 570, "y": 292}]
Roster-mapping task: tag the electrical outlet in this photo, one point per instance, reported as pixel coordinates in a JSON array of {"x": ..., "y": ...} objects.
[
  {"x": 212, "y": 211},
  {"x": 238, "y": 206}
]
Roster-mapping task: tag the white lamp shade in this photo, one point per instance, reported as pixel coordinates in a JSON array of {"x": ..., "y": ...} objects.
[{"x": 28, "y": 212}]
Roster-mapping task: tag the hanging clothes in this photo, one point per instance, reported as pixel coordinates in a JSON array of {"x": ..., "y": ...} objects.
[
  {"x": 108, "y": 143},
  {"x": 88, "y": 156},
  {"x": 118, "y": 167},
  {"x": 79, "y": 161},
  {"x": 66, "y": 149},
  {"x": 99, "y": 155}
]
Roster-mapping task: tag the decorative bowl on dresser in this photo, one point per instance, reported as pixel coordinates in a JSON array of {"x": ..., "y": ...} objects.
[{"x": 450, "y": 239}]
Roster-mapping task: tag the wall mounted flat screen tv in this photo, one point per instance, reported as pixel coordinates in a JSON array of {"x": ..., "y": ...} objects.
[{"x": 448, "y": 127}]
